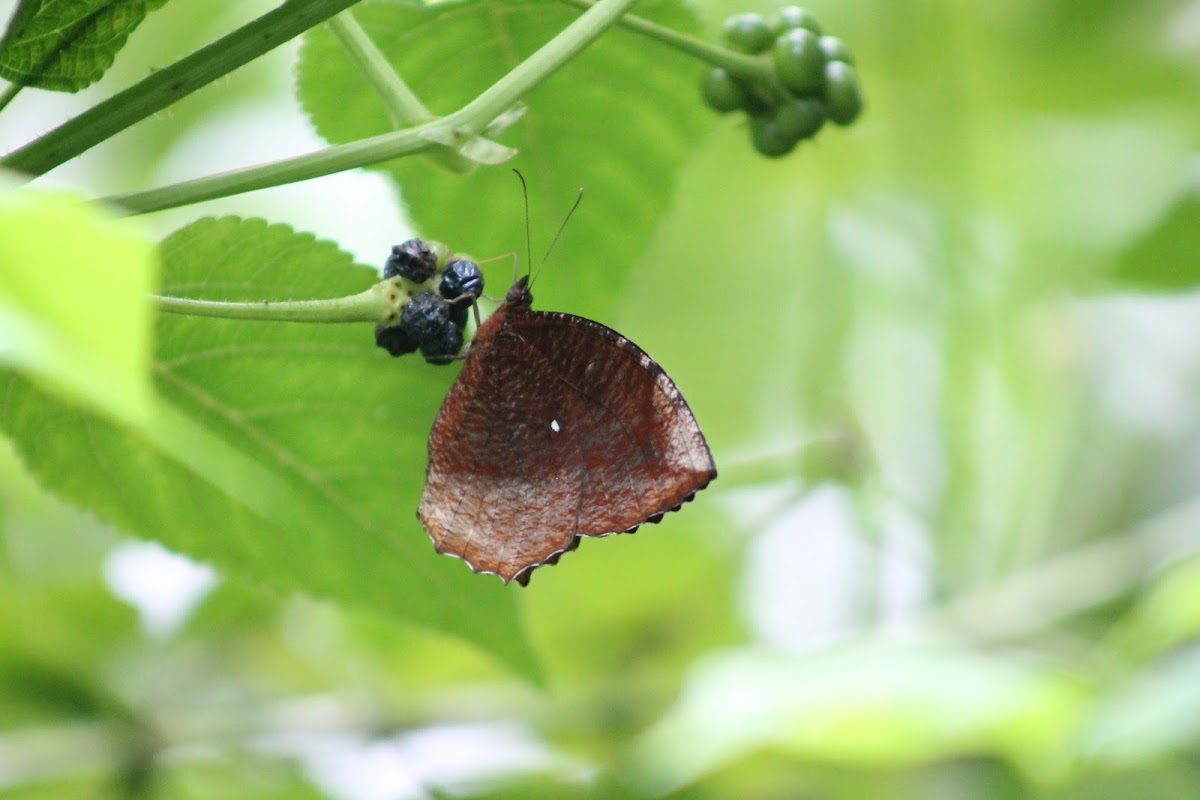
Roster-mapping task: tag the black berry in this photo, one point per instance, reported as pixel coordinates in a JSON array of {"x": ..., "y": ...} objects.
[
  {"x": 443, "y": 348},
  {"x": 394, "y": 339},
  {"x": 425, "y": 317},
  {"x": 413, "y": 259},
  {"x": 462, "y": 278}
]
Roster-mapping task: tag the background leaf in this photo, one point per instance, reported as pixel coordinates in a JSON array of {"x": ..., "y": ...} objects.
[
  {"x": 74, "y": 315},
  {"x": 319, "y": 409},
  {"x": 605, "y": 123},
  {"x": 1159, "y": 261},
  {"x": 66, "y": 46}
]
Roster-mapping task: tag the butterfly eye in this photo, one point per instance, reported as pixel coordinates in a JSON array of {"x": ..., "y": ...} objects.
[{"x": 414, "y": 260}]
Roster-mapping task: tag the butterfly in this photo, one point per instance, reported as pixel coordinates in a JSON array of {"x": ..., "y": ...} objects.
[{"x": 556, "y": 428}]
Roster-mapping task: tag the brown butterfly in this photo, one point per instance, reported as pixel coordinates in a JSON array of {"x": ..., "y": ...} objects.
[{"x": 557, "y": 427}]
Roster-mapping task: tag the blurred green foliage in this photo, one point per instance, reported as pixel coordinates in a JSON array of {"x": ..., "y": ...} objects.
[{"x": 945, "y": 359}]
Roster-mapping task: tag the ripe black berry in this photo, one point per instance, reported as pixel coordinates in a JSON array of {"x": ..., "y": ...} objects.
[
  {"x": 462, "y": 278},
  {"x": 395, "y": 340},
  {"x": 443, "y": 348},
  {"x": 413, "y": 259},
  {"x": 425, "y": 317}
]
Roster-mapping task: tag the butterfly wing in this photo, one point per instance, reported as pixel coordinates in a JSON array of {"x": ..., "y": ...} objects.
[{"x": 557, "y": 427}]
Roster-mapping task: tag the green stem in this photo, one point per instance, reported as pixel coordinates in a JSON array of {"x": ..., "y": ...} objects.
[
  {"x": 736, "y": 63},
  {"x": 377, "y": 304},
  {"x": 476, "y": 115},
  {"x": 404, "y": 106},
  {"x": 463, "y": 124},
  {"x": 168, "y": 85},
  {"x": 9, "y": 95},
  {"x": 277, "y": 173}
]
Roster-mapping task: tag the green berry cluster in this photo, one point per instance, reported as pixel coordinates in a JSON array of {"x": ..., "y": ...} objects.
[{"x": 810, "y": 79}]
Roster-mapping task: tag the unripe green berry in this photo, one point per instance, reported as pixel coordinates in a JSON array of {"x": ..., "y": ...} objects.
[
  {"x": 836, "y": 50},
  {"x": 723, "y": 92},
  {"x": 843, "y": 99},
  {"x": 792, "y": 17},
  {"x": 769, "y": 139},
  {"x": 798, "y": 60},
  {"x": 749, "y": 33},
  {"x": 801, "y": 118}
]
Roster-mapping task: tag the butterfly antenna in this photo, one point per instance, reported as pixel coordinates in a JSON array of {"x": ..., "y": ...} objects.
[
  {"x": 528, "y": 245},
  {"x": 561, "y": 228}
]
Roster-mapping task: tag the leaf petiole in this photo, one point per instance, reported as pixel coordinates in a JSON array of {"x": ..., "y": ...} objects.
[{"x": 405, "y": 108}]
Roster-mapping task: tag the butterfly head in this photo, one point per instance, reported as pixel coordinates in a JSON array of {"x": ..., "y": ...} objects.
[{"x": 519, "y": 294}]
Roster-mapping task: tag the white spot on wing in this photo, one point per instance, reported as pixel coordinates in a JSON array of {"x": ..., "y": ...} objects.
[{"x": 554, "y": 426}]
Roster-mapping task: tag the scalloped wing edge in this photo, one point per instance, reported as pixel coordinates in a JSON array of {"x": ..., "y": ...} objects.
[{"x": 523, "y": 575}]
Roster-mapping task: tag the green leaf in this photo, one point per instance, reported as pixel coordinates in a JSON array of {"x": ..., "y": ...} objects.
[
  {"x": 73, "y": 309},
  {"x": 1166, "y": 258},
  {"x": 1157, "y": 713},
  {"x": 619, "y": 120},
  {"x": 67, "y": 46},
  {"x": 876, "y": 707},
  {"x": 292, "y": 454}
]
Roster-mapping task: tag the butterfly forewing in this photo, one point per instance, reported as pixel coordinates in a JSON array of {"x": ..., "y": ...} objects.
[{"x": 636, "y": 466}]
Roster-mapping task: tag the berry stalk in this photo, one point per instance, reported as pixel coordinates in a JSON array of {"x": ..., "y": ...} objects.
[
  {"x": 731, "y": 60},
  {"x": 379, "y": 304}
]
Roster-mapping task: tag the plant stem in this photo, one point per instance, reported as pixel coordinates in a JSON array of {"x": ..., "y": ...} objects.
[
  {"x": 9, "y": 95},
  {"x": 374, "y": 305},
  {"x": 737, "y": 63},
  {"x": 461, "y": 126},
  {"x": 404, "y": 106},
  {"x": 170, "y": 84}
]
